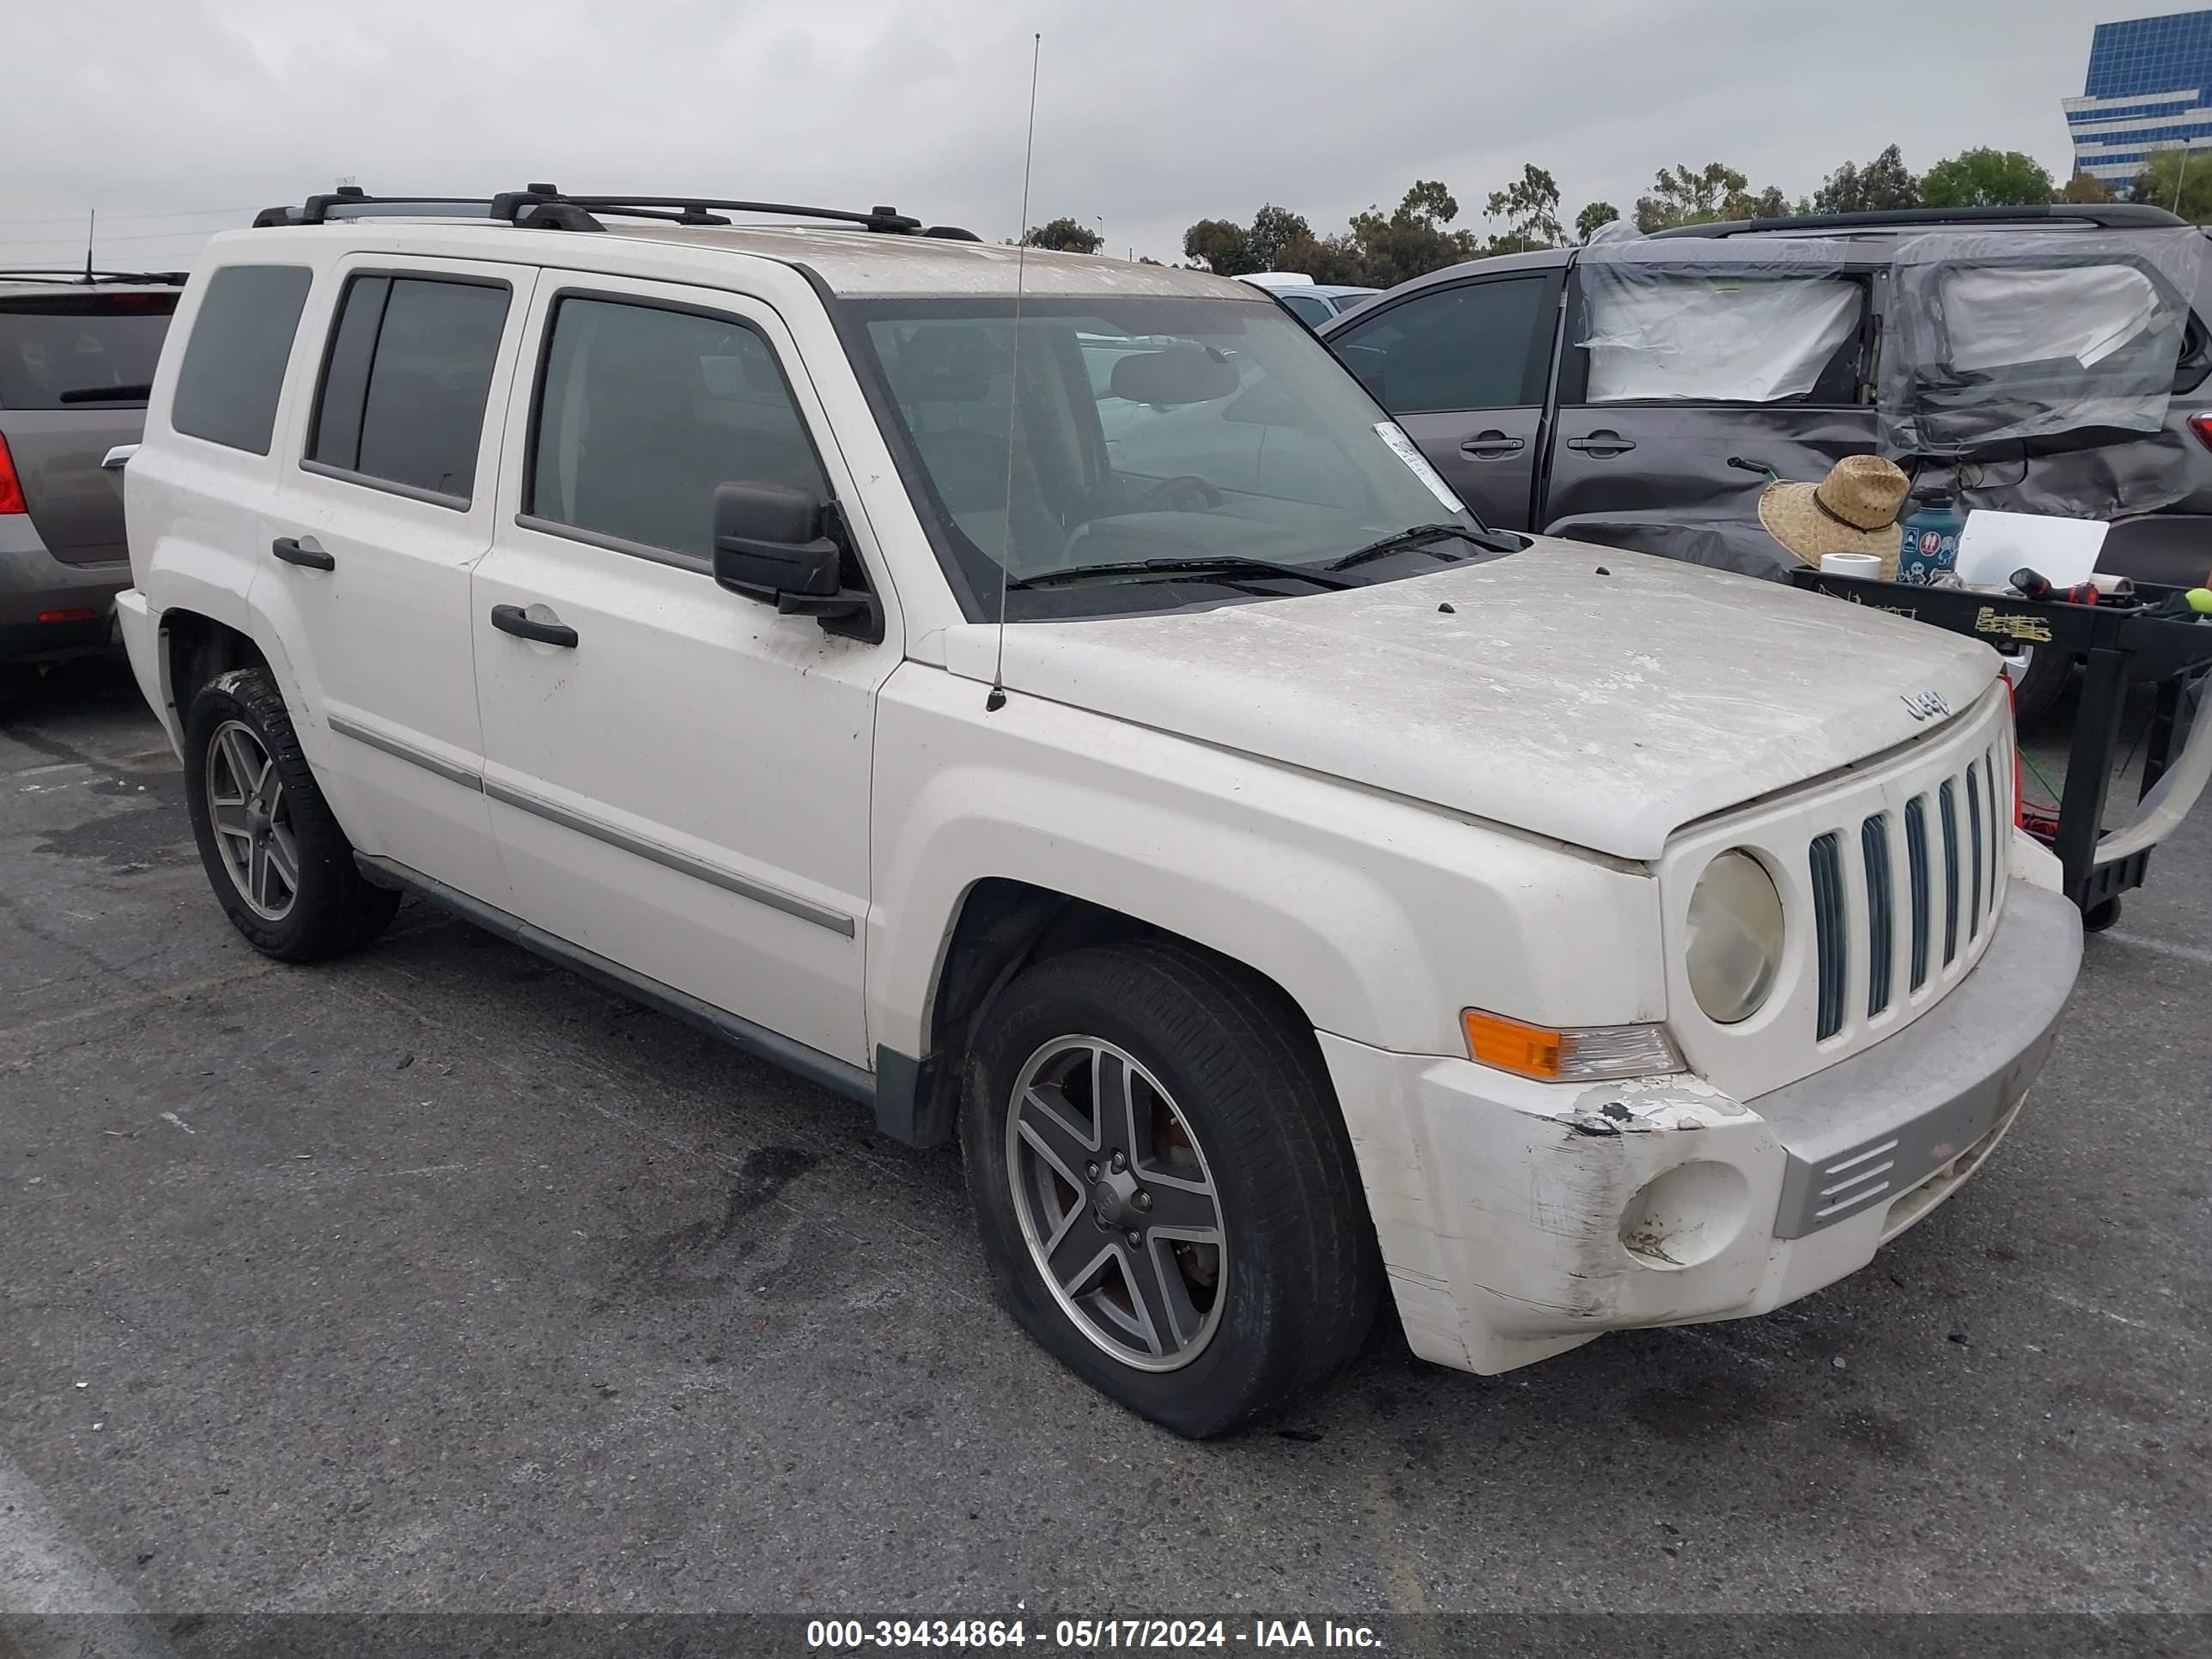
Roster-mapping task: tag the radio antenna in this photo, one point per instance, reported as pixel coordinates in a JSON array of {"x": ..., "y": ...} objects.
[
  {"x": 91, "y": 221},
  {"x": 997, "y": 700}
]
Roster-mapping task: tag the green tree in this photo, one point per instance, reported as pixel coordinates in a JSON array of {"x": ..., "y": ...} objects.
[
  {"x": 1985, "y": 178},
  {"x": 1274, "y": 229},
  {"x": 1412, "y": 239},
  {"x": 1531, "y": 207},
  {"x": 2178, "y": 180},
  {"x": 1337, "y": 260},
  {"x": 1680, "y": 197},
  {"x": 1225, "y": 248},
  {"x": 2084, "y": 188},
  {"x": 1596, "y": 214},
  {"x": 1768, "y": 204},
  {"x": 1883, "y": 184},
  {"x": 1065, "y": 236}
]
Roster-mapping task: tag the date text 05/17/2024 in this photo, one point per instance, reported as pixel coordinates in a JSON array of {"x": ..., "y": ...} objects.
[{"x": 1086, "y": 1635}]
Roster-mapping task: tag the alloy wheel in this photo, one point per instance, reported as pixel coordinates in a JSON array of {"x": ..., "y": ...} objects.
[
  {"x": 1119, "y": 1209},
  {"x": 252, "y": 821}
]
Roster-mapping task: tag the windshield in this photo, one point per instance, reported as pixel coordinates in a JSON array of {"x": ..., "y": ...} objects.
[{"x": 1145, "y": 431}]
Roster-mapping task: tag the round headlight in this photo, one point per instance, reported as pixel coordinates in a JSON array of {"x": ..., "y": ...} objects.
[{"x": 1736, "y": 937}]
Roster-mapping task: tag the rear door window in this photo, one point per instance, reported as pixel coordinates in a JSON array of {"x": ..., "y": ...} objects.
[
  {"x": 1653, "y": 336},
  {"x": 81, "y": 351},
  {"x": 642, "y": 410},
  {"x": 408, "y": 370},
  {"x": 1481, "y": 345},
  {"x": 233, "y": 368}
]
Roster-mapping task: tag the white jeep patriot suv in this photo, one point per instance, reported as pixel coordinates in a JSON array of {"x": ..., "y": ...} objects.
[{"x": 1045, "y": 698}]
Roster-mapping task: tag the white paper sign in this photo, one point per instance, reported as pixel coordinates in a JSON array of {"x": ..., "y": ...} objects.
[
  {"x": 1994, "y": 544},
  {"x": 1402, "y": 447}
]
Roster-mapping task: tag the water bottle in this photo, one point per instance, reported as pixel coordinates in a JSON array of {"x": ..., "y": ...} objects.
[{"x": 1928, "y": 548}]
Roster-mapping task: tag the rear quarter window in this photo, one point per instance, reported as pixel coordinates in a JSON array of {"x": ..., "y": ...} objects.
[
  {"x": 81, "y": 351},
  {"x": 233, "y": 368}
]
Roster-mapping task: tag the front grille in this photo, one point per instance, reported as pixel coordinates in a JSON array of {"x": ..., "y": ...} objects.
[
  {"x": 1829, "y": 930},
  {"x": 1949, "y": 798},
  {"x": 1974, "y": 834},
  {"x": 1881, "y": 903},
  {"x": 1893, "y": 877},
  {"x": 1916, "y": 865},
  {"x": 1862, "y": 952}
]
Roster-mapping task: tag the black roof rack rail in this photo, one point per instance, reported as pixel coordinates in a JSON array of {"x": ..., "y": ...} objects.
[
  {"x": 83, "y": 278},
  {"x": 2105, "y": 215},
  {"x": 546, "y": 207}
]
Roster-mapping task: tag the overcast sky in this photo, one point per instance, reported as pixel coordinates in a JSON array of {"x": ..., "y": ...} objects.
[{"x": 1151, "y": 112}]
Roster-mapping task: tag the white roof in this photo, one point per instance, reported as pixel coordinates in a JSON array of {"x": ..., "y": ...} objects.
[
  {"x": 853, "y": 263},
  {"x": 873, "y": 262}
]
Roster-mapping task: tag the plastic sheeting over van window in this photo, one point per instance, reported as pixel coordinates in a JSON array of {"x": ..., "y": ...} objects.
[
  {"x": 1996, "y": 338},
  {"x": 1715, "y": 339},
  {"x": 1737, "y": 324}
]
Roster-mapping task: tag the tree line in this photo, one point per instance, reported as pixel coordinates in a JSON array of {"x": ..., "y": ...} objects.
[{"x": 1380, "y": 250}]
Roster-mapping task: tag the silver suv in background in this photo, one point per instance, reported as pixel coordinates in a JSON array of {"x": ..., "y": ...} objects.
[
  {"x": 1313, "y": 303},
  {"x": 77, "y": 352}
]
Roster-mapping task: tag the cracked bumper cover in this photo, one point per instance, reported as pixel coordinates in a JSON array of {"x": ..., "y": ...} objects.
[{"x": 1519, "y": 1219}]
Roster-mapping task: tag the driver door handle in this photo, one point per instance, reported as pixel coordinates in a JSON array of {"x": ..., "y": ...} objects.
[
  {"x": 1492, "y": 446},
  {"x": 513, "y": 619},
  {"x": 288, "y": 548},
  {"x": 1602, "y": 442}
]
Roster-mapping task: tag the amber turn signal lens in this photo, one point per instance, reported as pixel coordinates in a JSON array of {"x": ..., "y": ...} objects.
[
  {"x": 1531, "y": 1050},
  {"x": 1573, "y": 1053}
]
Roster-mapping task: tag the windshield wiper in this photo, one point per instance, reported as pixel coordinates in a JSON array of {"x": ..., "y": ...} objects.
[
  {"x": 102, "y": 394},
  {"x": 1494, "y": 541},
  {"x": 1224, "y": 565}
]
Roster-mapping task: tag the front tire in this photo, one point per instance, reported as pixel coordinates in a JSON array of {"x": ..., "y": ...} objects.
[
  {"x": 1163, "y": 1186},
  {"x": 281, "y": 868}
]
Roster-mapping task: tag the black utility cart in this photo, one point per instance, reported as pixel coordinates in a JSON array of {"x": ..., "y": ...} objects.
[{"x": 2123, "y": 646}]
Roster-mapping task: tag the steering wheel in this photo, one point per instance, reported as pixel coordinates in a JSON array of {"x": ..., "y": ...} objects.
[{"x": 1172, "y": 494}]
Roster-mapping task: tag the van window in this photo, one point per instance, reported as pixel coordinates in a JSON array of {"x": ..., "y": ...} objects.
[
  {"x": 642, "y": 411},
  {"x": 233, "y": 368},
  {"x": 81, "y": 351},
  {"x": 1480, "y": 346},
  {"x": 409, "y": 369}
]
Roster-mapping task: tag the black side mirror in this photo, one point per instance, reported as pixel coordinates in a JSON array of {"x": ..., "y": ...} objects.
[{"x": 782, "y": 547}]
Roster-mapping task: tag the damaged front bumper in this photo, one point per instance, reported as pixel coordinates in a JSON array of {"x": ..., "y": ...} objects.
[{"x": 1519, "y": 1219}]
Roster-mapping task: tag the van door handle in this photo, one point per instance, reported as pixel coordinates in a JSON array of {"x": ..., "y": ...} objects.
[
  {"x": 118, "y": 457},
  {"x": 1492, "y": 446},
  {"x": 513, "y": 619},
  {"x": 1602, "y": 442},
  {"x": 288, "y": 548}
]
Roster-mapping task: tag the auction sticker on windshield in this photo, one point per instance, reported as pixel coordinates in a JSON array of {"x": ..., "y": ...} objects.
[{"x": 1402, "y": 447}]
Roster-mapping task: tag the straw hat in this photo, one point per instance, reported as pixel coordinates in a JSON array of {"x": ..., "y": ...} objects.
[{"x": 1852, "y": 510}]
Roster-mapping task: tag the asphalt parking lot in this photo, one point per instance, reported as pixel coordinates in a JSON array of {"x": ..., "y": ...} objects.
[{"x": 437, "y": 1278}]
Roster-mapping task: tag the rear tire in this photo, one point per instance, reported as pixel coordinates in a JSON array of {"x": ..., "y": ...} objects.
[
  {"x": 281, "y": 868},
  {"x": 1214, "y": 1094}
]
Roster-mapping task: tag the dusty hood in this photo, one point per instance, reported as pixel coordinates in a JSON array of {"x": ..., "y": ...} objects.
[{"x": 1606, "y": 711}]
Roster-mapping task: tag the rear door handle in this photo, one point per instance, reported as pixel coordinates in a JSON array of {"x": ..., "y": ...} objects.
[
  {"x": 288, "y": 548},
  {"x": 1603, "y": 442},
  {"x": 1493, "y": 445},
  {"x": 511, "y": 619},
  {"x": 119, "y": 457}
]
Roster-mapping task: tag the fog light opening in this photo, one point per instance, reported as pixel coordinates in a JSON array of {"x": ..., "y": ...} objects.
[{"x": 1687, "y": 1216}]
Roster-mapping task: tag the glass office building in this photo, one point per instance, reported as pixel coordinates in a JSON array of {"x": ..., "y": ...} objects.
[{"x": 2149, "y": 87}]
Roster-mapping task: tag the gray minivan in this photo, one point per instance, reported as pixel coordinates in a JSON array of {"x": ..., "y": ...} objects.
[
  {"x": 1500, "y": 371},
  {"x": 77, "y": 352}
]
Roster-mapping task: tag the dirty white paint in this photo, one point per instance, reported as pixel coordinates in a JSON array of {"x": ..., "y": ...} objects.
[
  {"x": 1605, "y": 711},
  {"x": 869, "y": 264}
]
